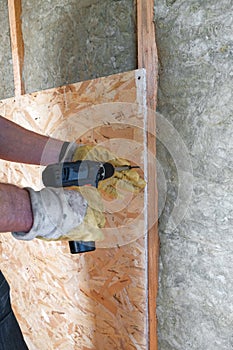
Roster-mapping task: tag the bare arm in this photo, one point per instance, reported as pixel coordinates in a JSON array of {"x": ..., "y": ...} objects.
[
  {"x": 15, "y": 206},
  {"x": 23, "y": 146}
]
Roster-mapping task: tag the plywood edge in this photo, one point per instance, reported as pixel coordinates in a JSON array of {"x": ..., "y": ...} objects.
[
  {"x": 148, "y": 59},
  {"x": 69, "y": 87},
  {"x": 17, "y": 44}
]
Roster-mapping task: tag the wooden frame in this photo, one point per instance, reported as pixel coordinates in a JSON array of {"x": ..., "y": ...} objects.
[
  {"x": 147, "y": 58},
  {"x": 17, "y": 45}
]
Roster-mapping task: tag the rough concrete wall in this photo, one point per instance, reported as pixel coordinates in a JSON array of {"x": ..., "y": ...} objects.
[
  {"x": 7, "y": 83},
  {"x": 68, "y": 40},
  {"x": 195, "y": 304}
]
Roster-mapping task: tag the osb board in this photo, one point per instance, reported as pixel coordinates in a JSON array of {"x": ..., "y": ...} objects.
[{"x": 96, "y": 300}]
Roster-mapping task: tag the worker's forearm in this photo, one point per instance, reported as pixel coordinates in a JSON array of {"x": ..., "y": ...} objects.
[
  {"x": 16, "y": 212},
  {"x": 21, "y": 145}
]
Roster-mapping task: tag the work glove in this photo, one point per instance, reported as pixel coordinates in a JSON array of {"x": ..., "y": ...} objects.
[
  {"x": 60, "y": 214},
  {"x": 112, "y": 188},
  {"x": 77, "y": 213}
]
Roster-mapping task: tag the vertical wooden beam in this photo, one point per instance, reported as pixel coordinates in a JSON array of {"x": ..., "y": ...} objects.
[
  {"x": 147, "y": 50},
  {"x": 17, "y": 45},
  {"x": 147, "y": 58}
]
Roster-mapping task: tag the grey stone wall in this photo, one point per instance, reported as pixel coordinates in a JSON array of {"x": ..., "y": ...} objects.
[
  {"x": 195, "y": 304},
  {"x": 68, "y": 40},
  {"x": 6, "y": 83}
]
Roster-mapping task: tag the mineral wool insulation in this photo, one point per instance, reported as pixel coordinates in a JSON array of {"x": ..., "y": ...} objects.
[{"x": 195, "y": 301}]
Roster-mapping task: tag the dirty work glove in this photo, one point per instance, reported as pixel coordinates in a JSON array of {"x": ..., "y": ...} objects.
[
  {"x": 127, "y": 180},
  {"x": 60, "y": 214}
]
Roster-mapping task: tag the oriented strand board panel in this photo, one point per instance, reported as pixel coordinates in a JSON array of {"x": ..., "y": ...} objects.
[{"x": 96, "y": 300}]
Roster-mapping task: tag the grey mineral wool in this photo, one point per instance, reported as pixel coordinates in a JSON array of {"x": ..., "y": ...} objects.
[
  {"x": 7, "y": 80},
  {"x": 195, "y": 302},
  {"x": 69, "y": 41}
]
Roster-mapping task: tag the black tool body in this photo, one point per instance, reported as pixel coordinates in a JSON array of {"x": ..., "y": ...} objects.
[{"x": 79, "y": 173}]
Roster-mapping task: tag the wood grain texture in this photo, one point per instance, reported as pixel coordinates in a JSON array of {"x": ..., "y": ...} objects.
[
  {"x": 147, "y": 58},
  {"x": 17, "y": 44},
  {"x": 95, "y": 300}
]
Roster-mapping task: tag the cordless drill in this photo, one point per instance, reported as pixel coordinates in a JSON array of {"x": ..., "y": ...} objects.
[{"x": 79, "y": 173}]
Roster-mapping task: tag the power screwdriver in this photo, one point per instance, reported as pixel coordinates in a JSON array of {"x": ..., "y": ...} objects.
[{"x": 79, "y": 173}]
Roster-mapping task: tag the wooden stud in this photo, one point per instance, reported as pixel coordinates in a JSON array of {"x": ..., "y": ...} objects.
[
  {"x": 148, "y": 59},
  {"x": 17, "y": 45},
  {"x": 147, "y": 50}
]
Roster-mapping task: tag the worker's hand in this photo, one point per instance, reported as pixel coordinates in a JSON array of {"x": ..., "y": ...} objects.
[
  {"x": 127, "y": 180},
  {"x": 60, "y": 214}
]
